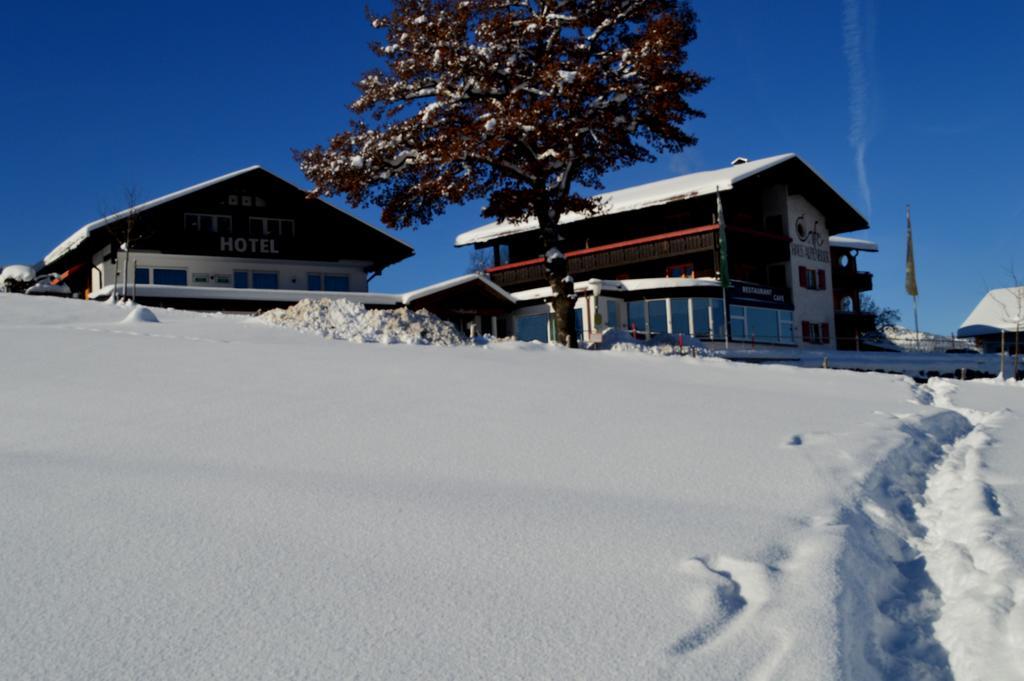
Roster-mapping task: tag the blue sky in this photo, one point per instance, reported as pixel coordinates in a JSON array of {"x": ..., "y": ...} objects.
[{"x": 157, "y": 96}]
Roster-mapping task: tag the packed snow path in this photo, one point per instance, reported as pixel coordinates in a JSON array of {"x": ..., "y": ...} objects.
[
  {"x": 972, "y": 542},
  {"x": 207, "y": 497}
]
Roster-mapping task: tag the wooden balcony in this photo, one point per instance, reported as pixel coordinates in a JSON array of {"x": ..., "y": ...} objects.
[
  {"x": 612, "y": 256},
  {"x": 844, "y": 280}
]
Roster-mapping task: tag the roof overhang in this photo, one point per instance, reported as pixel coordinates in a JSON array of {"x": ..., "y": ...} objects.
[{"x": 680, "y": 188}]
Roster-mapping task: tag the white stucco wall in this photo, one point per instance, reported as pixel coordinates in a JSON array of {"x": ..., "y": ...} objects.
[
  {"x": 292, "y": 274},
  {"x": 810, "y": 249}
]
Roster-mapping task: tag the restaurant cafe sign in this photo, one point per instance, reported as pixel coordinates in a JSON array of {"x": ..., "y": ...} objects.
[{"x": 751, "y": 293}]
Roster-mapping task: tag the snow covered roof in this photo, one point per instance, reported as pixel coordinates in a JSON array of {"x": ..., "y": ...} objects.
[
  {"x": 1001, "y": 309},
  {"x": 647, "y": 195},
  {"x": 839, "y": 241},
  {"x": 22, "y": 273},
  {"x": 440, "y": 286},
  {"x": 83, "y": 232}
]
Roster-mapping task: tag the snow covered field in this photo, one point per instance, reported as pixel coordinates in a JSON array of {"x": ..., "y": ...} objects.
[{"x": 210, "y": 497}]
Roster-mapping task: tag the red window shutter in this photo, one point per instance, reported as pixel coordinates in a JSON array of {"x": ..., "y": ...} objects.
[
  {"x": 803, "y": 277},
  {"x": 824, "y": 333},
  {"x": 807, "y": 332},
  {"x": 821, "y": 279}
]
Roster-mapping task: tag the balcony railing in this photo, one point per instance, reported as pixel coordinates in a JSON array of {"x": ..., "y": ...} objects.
[
  {"x": 851, "y": 281},
  {"x": 620, "y": 254}
]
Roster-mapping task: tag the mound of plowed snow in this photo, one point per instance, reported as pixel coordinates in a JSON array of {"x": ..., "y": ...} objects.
[{"x": 345, "y": 320}]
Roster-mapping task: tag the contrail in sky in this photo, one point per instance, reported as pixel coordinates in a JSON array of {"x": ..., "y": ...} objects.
[{"x": 854, "y": 48}]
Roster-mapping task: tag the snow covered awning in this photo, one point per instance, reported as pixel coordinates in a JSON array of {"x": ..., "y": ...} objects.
[
  {"x": 852, "y": 243},
  {"x": 621, "y": 286},
  {"x": 1001, "y": 309},
  {"x": 658, "y": 193}
]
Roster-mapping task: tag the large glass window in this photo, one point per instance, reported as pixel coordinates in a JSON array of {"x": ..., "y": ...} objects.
[
  {"x": 680, "y": 308},
  {"x": 786, "y": 331},
  {"x": 169, "y": 277},
  {"x": 314, "y": 282},
  {"x": 141, "y": 275},
  {"x": 701, "y": 320},
  {"x": 763, "y": 324},
  {"x": 718, "y": 319},
  {"x": 241, "y": 279},
  {"x": 532, "y": 327},
  {"x": 335, "y": 282},
  {"x": 657, "y": 316},
  {"x": 264, "y": 279},
  {"x": 635, "y": 318},
  {"x": 737, "y": 322},
  {"x": 612, "y": 318}
]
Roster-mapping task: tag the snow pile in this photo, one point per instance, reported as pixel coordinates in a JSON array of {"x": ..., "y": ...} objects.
[
  {"x": 345, "y": 320},
  {"x": 907, "y": 340},
  {"x": 140, "y": 314},
  {"x": 617, "y": 340},
  {"x": 22, "y": 273}
]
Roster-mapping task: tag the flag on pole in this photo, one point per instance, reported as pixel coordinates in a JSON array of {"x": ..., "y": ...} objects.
[
  {"x": 723, "y": 251},
  {"x": 911, "y": 282}
]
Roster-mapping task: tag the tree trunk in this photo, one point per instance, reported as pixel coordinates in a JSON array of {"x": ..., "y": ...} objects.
[{"x": 556, "y": 268}]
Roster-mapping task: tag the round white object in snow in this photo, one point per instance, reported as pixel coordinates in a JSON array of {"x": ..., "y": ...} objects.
[
  {"x": 18, "y": 273},
  {"x": 140, "y": 314}
]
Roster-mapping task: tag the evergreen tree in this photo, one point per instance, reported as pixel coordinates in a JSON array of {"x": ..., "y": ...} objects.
[{"x": 518, "y": 102}]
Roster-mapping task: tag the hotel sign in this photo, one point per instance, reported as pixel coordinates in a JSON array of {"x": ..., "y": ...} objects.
[{"x": 248, "y": 245}]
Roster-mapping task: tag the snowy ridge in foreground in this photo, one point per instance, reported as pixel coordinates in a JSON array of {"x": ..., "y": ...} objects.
[{"x": 210, "y": 498}]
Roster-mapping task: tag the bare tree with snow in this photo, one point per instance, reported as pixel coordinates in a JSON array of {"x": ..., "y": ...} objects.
[{"x": 518, "y": 102}]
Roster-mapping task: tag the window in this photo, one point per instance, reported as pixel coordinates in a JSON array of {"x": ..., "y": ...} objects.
[
  {"x": 635, "y": 318},
  {"x": 503, "y": 255},
  {"x": 264, "y": 279},
  {"x": 612, "y": 316},
  {"x": 812, "y": 279},
  {"x": 200, "y": 278},
  {"x": 816, "y": 333},
  {"x": 763, "y": 324},
  {"x": 141, "y": 275},
  {"x": 657, "y": 316},
  {"x": 680, "y": 308},
  {"x": 786, "y": 334},
  {"x": 320, "y": 281},
  {"x": 208, "y": 224},
  {"x": 241, "y": 279},
  {"x": 532, "y": 328},
  {"x": 168, "y": 277},
  {"x": 717, "y": 319},
  {"x": 738, "y": 322},
  {"x": 336, "y": 282},
  {"x": 701, "y": 319},
  {"x": 682, "y": 270},
  {"x": 579, "y": 324}
]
